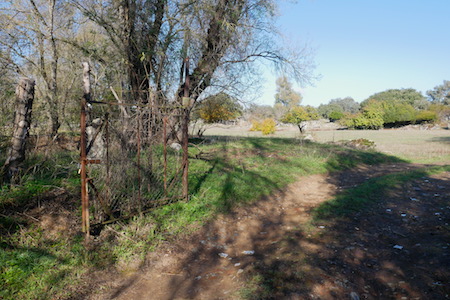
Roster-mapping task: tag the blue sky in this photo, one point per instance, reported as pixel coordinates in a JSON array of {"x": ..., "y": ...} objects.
[{"x": 367, "y": 46}]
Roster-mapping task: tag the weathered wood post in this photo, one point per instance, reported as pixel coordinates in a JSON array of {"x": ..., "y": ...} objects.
[
  {"x": 22, "y": 122},
  {"x": 83, "y": 145}
]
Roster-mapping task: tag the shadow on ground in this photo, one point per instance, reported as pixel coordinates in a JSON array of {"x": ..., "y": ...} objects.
[
  {"x": 382, "y": 237},
  {"x": 395, "y": 247}
]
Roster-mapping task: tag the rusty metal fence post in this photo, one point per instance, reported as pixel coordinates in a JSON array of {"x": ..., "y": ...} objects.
[
  {"x": 185, "y": 128},
  {"x": 165, "y": 153}
]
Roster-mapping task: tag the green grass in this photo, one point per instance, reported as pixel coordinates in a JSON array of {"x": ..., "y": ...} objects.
[
  {"x": 229, "y": 173},
  {"x": 40, "y": 270},
  {"x": 243, "y": 170},
  {"x": 370, "y": 192}
]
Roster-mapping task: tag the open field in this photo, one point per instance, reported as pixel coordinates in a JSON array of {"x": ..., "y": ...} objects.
[{"x": 422, "y": 146}]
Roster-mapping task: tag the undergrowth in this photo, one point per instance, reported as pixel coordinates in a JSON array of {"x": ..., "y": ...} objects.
[{"x": 224, "y": 174}]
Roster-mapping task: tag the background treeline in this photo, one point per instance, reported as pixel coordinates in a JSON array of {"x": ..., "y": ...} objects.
[
  {"x": 391, "y": 108},
  {"x": 387, "y": 109}
]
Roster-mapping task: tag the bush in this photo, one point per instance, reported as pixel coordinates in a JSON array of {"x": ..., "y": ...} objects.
[
  {"x": 426, "y": 116},
  {"x": 256, "y": 126},
  {"x": 370, "y": 118},
  {"x": 335, "y": 115},
  {"x": 268, "y": 126},
  {"x": 398, "y": 113},
  {"x": 364, "y": 122}
]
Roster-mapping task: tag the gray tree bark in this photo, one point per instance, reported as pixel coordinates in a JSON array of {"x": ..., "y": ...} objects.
[{"x": 22, "y": 122}]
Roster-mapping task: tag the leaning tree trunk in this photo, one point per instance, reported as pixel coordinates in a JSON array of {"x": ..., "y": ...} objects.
[{"x": 22, "y": 122}]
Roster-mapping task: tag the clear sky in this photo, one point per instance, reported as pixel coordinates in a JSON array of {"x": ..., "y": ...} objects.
[{"x": 368, "y": 46}]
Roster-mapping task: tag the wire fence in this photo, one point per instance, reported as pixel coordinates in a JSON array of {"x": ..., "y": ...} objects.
[{"x": 135, "y": 159}]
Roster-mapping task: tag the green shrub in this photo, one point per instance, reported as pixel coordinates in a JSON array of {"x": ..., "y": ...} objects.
[
  {"x": 398, "y": 113},
  {"x": 426, "y": 116},
  {"x": 335, "y": 115}
]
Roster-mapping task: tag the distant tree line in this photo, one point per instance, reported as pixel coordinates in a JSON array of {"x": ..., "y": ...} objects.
[{"x": 390, "y": 108}]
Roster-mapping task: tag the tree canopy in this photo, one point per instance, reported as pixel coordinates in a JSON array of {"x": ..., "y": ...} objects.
[
  {"x": 285, "y": 95},
  {"x": 409, "y": 96},
  {"x": 218, "y": 107},
  {"x": 297, "y": 115},
  {"x": 440, "y": 93},
  {"x": 336, "y": 108}
]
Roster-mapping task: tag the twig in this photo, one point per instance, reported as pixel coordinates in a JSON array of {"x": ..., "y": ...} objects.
[
  {"x": 33, "y": 218},
  {"x": 121, "y": 233}
]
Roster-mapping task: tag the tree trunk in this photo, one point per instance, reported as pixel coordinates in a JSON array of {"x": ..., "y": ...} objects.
[{"x": 22, "y": 122}]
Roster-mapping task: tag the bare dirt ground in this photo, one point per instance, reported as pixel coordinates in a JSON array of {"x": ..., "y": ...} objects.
[{"x": 395, "y": 249}]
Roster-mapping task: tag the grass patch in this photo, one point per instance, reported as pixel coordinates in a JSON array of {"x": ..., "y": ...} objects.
[
  {"x": 371, "y": 191},
  {"x": 226, "y": 174},
  {"x": 240, "y": 171}
]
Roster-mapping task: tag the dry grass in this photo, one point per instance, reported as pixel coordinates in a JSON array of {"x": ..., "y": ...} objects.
[{"x": 421, "y": 146}]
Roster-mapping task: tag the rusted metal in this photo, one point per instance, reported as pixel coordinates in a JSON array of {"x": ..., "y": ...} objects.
[
  {"x": 139, "y": 121},
  {"x": 83, "y": 146},
  {"x": 131, "y": 179},
  {"x": 93, "y": 161},
  {"x": 135, "y": 105},
  {"x": 102, "y": 201},
  {"x": 108, "y": 169},
  {"x": 185, "y": 130},
  {"x": 165, "y": 153}
]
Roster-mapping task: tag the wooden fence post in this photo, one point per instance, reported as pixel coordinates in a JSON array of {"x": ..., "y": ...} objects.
[
  {"x": 83, "y": 145},
  {"x": 22, "y": 122}
]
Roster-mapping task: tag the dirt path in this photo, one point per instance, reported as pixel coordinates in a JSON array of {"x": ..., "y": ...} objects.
[{"x": 269, "y": 250}]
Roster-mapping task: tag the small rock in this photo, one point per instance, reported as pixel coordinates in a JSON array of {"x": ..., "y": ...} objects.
[
  {"x": 403, "y": 215},
  {"x": 240, "y": 271},
  {"x": 354, "y": 296},
  {"x": 413, "y": 199},
  {"x": 248, "y": 252},
  {"x": 321, "y": 227},
  {"x": 223, "y": 255},
  {"x": 388, "y": 210},
  {"x": 308, "y": 138},
  {"x": 175, "y": 146},
  {"x": 398, "y": 247},
  {"x": 237, "y": 264},
  {"x": 198, "y": 277}
]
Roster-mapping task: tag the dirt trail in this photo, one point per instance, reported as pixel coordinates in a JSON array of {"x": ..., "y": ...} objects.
[{"x": 350, "y": 258}]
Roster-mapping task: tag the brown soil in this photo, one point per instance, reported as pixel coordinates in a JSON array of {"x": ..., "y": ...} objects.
[{"x": 395, "y": 249}]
